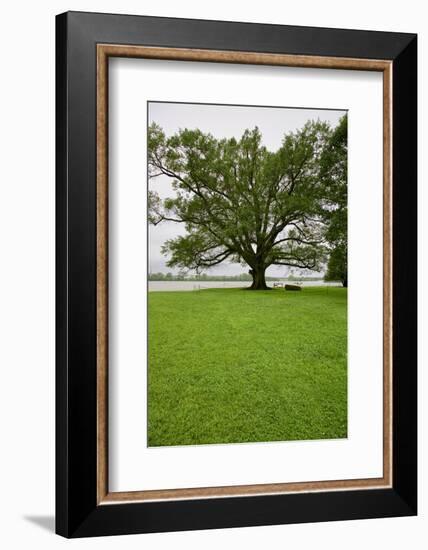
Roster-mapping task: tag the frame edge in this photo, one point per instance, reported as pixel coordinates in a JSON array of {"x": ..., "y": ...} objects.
[{"x": 61, "y": 267}]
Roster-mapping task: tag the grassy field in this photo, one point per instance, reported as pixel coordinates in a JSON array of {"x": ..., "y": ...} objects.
[{"x": 230, "y": 365}]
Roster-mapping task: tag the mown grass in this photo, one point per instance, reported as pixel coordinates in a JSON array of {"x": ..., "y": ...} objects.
[{"x": 229, "y": 366}]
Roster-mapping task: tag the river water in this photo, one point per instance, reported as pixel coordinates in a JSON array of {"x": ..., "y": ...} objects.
[{"x": 162, "y": 286}]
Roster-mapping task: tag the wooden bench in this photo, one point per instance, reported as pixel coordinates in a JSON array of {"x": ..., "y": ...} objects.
[{"x": 293, "y": 287}]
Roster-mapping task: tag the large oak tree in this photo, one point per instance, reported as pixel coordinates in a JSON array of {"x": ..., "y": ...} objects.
[{"x": 239, "y": 201}]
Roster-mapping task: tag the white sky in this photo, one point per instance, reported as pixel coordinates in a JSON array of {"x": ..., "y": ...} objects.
[{"x": 222, "y": 121}]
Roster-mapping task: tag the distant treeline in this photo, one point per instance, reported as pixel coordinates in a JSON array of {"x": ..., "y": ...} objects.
[
  {"x": 201, "y": 277},
  {"x": 204, "y": 277}
]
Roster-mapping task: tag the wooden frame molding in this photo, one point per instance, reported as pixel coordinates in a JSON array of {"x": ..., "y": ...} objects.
[{"x": 104, "y": 51}]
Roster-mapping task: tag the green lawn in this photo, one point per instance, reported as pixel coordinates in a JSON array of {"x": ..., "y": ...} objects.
[{"x": 230, "y": 365}]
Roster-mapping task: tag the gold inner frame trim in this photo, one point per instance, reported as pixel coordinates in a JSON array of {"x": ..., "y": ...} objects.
[{"x": 104, "y": 51}]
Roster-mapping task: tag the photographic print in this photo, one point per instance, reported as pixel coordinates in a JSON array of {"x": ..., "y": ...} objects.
[{"x": 247, "y": 304}]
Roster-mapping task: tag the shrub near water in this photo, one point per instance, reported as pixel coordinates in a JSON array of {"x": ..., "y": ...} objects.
[{"x": 229, "y": 366}]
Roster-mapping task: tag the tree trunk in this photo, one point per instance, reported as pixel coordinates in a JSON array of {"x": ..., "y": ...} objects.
[
  {"x": 345, "y": 282},
  {"x": 259, "y": 281}
]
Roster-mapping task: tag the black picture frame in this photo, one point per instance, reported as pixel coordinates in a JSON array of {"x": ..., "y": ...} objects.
[{"x": 77, "y": 511}]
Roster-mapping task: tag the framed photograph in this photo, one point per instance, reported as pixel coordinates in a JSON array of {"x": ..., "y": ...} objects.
[{"x": 236, "y": 274}]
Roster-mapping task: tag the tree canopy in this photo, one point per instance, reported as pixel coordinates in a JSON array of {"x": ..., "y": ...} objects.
[
  {"x": 241, "y": 202},
  {"x": 334, "y": 174}
]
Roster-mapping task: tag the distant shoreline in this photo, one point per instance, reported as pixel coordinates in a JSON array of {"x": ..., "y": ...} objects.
[
  {"x": 233, "y": 279},
  {"x": 186, "y": 286}
]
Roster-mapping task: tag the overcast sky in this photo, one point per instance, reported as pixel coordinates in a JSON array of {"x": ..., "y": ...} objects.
[{"x": 222, "y": 121}]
